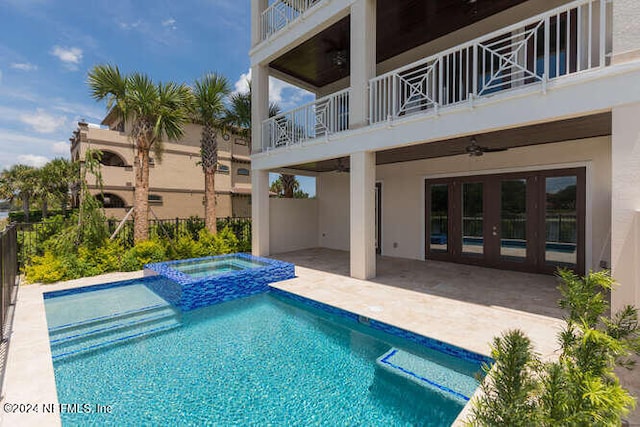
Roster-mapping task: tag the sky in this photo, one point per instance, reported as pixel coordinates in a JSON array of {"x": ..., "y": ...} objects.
[{"x": 47, "y": 48}]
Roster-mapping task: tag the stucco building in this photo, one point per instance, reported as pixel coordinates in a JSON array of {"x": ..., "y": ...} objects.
[
  {"x": 176, "y": 181},
  {"x": 498, "y": 133}
]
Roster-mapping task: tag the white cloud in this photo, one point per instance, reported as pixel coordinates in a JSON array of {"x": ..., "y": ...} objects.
[
  {"x": 287, "y": 96},
  {"x": 129, "y": 25},
  {"x": 32, "y": 160},
  {"x": 43, "y": 122},
  {"x": 70, "y": 56},
  {"x": 170, "y": 23},
  {"x": 61, "y": 147},
  {"x": 24, "y": 66}
]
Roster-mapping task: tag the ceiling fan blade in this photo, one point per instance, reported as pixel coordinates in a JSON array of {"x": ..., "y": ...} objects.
[{"x": 493, "y": 150}]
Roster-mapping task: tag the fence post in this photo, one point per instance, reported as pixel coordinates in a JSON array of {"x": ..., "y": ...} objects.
[{"x": 176, "y": 235}]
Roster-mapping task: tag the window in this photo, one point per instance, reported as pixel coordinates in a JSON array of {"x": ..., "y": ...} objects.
[
  {"x": 155, "y": 198},
  {"x": 109, "y": 158},
  {"x": 223, "y": 168},
  {"x": 244, "y": 171},
  {"x": 109, "y": 200}
]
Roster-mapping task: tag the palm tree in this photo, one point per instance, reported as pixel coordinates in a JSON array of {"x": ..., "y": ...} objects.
[
  {"x": 20, "y": 182},
  {"x": 56, "y": 179},
  {"x": 238, "y": 114},
  {"x": 209, "y": 95},
  {"x": 151, "y": 111}
]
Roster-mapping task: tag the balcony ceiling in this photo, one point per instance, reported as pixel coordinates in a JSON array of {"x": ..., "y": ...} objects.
[
  {"x": 401, "y": 25},
  {"x": 544, "y": 133}
]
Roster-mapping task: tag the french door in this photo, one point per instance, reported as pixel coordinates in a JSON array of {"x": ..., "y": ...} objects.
[{"x": 528, "y": 221}]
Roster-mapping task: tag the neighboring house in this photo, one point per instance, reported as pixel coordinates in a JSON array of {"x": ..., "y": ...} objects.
[
  {"x": 176, "y": 182},
  {"x": 498, "y": 133}
]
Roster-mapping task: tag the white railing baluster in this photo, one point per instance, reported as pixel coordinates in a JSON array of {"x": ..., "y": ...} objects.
[
  {"x": 282, "y": 12},
  {"x": 589, "y": 29},
  {"x": 603, "y": 33},
  {"x": 323, "y": 116}
]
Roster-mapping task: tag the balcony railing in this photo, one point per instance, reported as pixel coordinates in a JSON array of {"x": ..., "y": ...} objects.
[
  {"x": 321, "y": 117},
  {"x": 281, "y": 12},
  {"x": 563, "y": 41}
]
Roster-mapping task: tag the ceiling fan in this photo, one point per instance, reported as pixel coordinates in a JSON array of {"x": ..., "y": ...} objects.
[
  {"x": 342, "y": 166},
  {"x": 475, "y": 150}
]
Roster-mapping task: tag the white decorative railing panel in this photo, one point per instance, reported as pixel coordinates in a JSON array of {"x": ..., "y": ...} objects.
[
  {"x": 566, "y": 40},
  {"x": 321, "y": 117},
  {"x": 280, "y": 13}
]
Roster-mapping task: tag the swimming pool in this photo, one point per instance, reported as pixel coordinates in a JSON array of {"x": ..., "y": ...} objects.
[{"x": 272, "y": 358}]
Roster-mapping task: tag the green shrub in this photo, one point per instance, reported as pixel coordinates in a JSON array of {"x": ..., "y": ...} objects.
[
  {"x": 224, "y": 242},
  {"x": 581, "y": 388},
  {"x": 45, "y": 269},
  {"x": 184, "y": 248},
  {"x": 143, "y": 253}
]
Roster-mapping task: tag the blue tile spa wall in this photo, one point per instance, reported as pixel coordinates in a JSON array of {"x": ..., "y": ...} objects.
[{"x": 188, "y": 293}]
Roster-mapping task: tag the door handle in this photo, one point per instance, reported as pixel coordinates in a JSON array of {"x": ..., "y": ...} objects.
[{"x": 494, "y": 231}]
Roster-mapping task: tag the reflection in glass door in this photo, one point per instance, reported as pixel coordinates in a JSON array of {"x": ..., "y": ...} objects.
[
  {"x": 513, "y": 219},
  {"x": 561, "y": 227},
  {"x": 439, "y": 218},
  {"x": 528, "y": 221},
  {"x": 472, "y": 218}
]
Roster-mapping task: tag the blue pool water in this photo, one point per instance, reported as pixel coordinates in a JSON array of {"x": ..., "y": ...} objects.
[
  {"x": 259, "y": 360},
  {"x": 215, "y": 266}
]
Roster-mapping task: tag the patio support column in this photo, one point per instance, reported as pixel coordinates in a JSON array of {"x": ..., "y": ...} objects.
[
  {"x": 259, "y": 105},
  {"x": 259, "y": 212},
  {"x": 625, "y": 209},
  {"x": 257, "y": 7},
  {"x": 362, "y": 60},
  {"x": 362, "y": 188},
  {"x": 259, "y": 177}
]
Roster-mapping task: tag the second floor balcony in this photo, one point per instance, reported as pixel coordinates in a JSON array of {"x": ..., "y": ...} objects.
[{"x": 554, "y": 45}]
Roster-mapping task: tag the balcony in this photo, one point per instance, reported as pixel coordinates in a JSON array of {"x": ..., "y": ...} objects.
[
  {"x": 554, "y": 45},
  {"x": 564, "y": 41},
  {"x": 282, "y": 12},
  {"x": 316, "y": 119}
]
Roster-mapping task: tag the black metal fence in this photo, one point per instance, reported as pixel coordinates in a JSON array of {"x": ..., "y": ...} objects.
[
  {"x": 31, "y": 236},
  {"x": 8, "y": 271}
]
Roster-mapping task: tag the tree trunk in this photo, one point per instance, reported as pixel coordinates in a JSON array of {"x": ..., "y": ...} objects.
[
  {"x": 25, "y": 208},
  {"x": 288, "y": 184},
  {"x": 209, "y": 158},
  {"x": 141, "y": 196},
  {"x": 210, "y": 201}
]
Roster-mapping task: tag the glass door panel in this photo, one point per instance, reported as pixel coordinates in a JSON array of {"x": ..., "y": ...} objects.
[
  {"x": 472, "y": 218},
  {"x": 439, "y": 218},
  {"x": 513, "y": 219},
  {"x": 561, "y": 228}
]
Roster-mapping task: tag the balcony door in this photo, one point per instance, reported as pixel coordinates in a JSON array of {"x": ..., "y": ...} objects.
[{"x": 529, "y": 221}]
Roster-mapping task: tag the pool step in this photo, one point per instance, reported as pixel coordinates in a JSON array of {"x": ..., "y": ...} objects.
[
  {"x": 92, "y": 334},
  {"x": 428, "y": 373}
]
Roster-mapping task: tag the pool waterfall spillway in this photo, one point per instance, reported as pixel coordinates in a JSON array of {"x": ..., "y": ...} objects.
[{"x": 194, "y": 283}]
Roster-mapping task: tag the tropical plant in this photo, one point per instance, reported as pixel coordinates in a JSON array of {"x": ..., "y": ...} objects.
[
  {"x": 209, "y": 95},
  {"x": 581, "y": 387},
  {"x": 238, "y": 114},
  {"x": 288, "y": 187},
  {"x": 21, "y": 182},
  {"x": 153, "y": 112}
]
